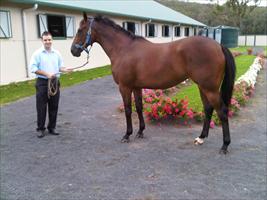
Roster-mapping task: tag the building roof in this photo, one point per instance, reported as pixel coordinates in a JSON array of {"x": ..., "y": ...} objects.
[{"x": 141, "y": 9}]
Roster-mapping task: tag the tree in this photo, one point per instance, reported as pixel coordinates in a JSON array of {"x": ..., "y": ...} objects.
[
  {"x": 254, "y": 20},
  {"x": 238, "y": 9}
]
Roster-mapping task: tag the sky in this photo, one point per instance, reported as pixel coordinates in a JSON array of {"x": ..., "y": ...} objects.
[{"x": 262, "y": 3}]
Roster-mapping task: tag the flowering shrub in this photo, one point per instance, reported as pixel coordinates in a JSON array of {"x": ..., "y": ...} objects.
[
  {"x": 249, "y": 51},
  {"x": 236, "y": 53},
  {"x": 250, "y": 76},
  {"x": 165, "y": 108},
  {"x": 158, "y": 106}
]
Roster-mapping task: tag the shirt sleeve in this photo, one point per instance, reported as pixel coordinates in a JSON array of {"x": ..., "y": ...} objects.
[
  {"x": 34, "y": 63},
  {"x": 60, "y": 61}
]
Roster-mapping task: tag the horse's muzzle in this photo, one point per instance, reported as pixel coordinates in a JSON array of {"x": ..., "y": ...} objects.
[{"x": 75, "y": 51}]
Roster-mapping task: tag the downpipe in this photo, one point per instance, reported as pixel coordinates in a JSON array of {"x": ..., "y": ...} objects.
[{"x": 25, "y": 36}]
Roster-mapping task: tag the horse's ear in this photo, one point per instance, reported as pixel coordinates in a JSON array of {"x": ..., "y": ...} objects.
[{"x": 84, "y": 16}]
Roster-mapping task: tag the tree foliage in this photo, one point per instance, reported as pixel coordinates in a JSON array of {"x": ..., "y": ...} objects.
[{"x": 244, "y": 14}]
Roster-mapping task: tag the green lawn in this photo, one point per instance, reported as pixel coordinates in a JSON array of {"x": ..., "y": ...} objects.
[
  {"x": 15, "y": 91},
  {"x": 242, "y": 64}
]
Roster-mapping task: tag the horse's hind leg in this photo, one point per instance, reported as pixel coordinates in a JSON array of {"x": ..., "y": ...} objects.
[
  {"x": 208, "y": 110},
  {"x": 126, "y": 94},
  {"x": 223, "y": 115},
  {"x": 139, "y": 109},
  {"x": 222, "y": 111}
]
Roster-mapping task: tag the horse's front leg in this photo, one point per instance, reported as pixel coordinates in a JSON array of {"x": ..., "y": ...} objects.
[
  {"x": 126, "y": 94},
  {"x": 139, "y": 110}
]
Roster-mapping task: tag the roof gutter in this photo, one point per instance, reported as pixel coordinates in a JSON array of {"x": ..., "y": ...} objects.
[{"x": 25, "y": 36}]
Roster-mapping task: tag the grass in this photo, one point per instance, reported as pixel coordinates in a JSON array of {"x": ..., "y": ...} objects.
[
  {"x": 242, "y": 64},
  {"x": 15, "y": 91}
]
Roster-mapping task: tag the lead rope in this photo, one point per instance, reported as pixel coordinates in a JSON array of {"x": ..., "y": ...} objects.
[
  {"x": 52, "y": 88},
  {"x": 87, "y": 61}
]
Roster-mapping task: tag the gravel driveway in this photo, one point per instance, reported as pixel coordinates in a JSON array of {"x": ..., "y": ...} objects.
[{"x": 87, "y": 160}]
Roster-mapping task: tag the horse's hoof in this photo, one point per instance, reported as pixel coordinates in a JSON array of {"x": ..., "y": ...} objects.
[
  {"x": 139, "y": 135},
  {"x": 198, "y": 141},
  {"x": 224, "y": 151},
  {"x": 125, "y": 140}
]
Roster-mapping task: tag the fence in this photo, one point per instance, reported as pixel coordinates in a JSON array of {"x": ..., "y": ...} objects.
[{"x": 252, "y": 40}]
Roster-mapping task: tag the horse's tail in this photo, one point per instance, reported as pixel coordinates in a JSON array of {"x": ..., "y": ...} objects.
[{"x": 229, "y": 77}]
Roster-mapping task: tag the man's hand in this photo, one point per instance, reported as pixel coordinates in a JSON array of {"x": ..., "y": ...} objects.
[{"x": 50, "y": 76}]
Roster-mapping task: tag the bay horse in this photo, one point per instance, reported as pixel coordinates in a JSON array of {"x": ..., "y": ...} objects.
[{"x": 138, "y": 63}]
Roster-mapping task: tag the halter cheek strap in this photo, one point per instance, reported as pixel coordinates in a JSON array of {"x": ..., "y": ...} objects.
[{"x": 88, "y": 39}]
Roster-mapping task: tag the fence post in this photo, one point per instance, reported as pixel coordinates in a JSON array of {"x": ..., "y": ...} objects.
[{"x": 254, "y": 40}]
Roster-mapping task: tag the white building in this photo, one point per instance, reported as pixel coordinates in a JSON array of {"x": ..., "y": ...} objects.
[{"x": 23, "y": 21}]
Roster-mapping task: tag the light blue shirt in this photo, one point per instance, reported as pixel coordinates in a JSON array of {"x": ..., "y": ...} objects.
[{"x": 50, "y": 62}]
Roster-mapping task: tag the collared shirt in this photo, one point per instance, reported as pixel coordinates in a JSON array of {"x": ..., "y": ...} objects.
[{"x": 50, "y": 62}]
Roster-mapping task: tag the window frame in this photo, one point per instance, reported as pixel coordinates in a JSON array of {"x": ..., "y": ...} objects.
[
  {"x": 195, "y": 31},
  {"x": 164, "y": 31},
  {"x": 175, "y": 31},
  {"x": 136, "y": 27},
  {"x": 147, "y": 27},
  {"x": 185, "y": 31},
  {"x": 9, "y": 25}
]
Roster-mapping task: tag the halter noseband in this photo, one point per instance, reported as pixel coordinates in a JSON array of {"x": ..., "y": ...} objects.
[{"x": 87, "y": 40}]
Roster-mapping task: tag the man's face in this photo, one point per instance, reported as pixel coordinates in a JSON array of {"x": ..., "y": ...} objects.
[{"x": 47, "y": 41}]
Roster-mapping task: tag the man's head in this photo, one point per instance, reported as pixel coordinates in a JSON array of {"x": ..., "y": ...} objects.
[{"x": 47, "y": 40}]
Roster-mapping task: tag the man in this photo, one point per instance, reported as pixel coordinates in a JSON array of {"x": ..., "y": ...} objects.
[{"x": 47, "y": 64}]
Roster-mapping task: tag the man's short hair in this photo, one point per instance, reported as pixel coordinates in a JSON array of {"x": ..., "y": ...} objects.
[{"x": 46, "y": 33}]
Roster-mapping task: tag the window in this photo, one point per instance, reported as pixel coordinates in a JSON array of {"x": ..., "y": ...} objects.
[
  {"x": 5, "y": 24},
  {"x": 56, "y": 25},
  {"x": 150, "y": 30},
  {"x": 177, "y": 31},
  {"x": 132, "y": 27},
  {"x": 59, "y": 26},
  {"x": 165, "y": 31},
  {"x": 186, "y": 31},
  {"x": 195, "y": 31}
]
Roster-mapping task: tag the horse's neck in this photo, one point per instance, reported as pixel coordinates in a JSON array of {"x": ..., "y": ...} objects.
[{"x": 113, "y": 42}]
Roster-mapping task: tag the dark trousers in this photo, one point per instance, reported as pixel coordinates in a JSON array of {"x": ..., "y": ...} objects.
[{"x": 42, "y": 102}]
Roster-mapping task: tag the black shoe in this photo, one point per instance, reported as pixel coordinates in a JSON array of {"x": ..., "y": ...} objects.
[
  {"x": 40, "y": 133},
  {"x": 52, "y": 132}
]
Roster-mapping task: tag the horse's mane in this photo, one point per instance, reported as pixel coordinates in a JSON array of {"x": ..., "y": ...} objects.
[{"x": 109, "y": 22}]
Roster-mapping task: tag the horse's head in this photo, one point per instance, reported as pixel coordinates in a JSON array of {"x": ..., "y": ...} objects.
[{"x": 83, "y": 37}]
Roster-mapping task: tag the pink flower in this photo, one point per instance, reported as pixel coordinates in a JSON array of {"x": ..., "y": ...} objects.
[
  {"x": 182, "y": 113},
  {"x": 149, "y": 99},
  {"x": 190, "y": 114},
  {"x": 230, "y": 113},
  {"x": 233, "y": 101},
  {"x": 212, "y": 124},
  {"x": 169, "y": 100}
]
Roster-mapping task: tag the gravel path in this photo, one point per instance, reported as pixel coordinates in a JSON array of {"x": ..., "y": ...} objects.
[{"x": 87, "y": 161}]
